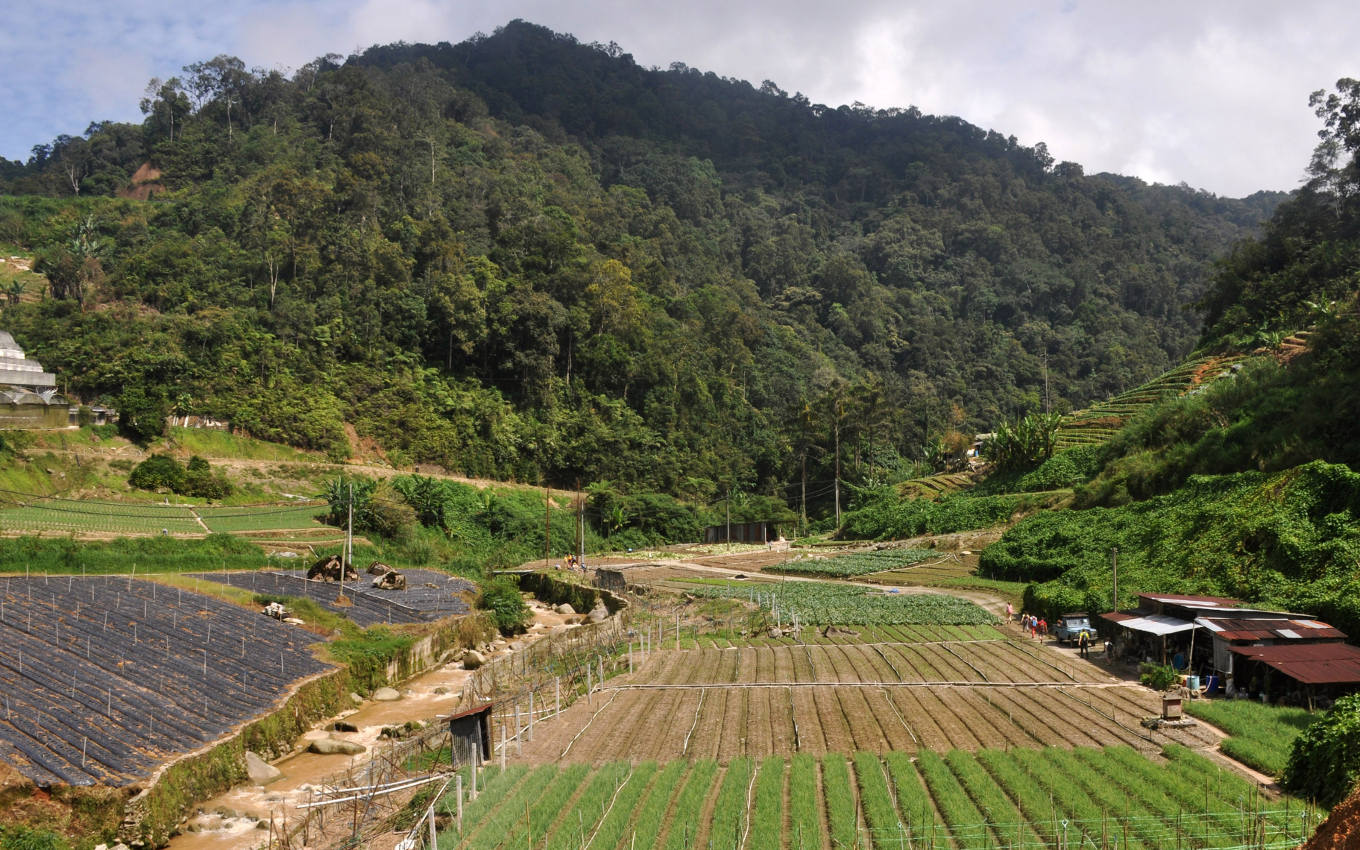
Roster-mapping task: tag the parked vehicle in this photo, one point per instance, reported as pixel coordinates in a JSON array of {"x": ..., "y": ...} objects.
[{"x": 1070, "y": 627}]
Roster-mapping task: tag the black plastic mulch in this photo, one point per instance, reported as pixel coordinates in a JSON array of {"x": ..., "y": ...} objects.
[
  {"x": 429, "y": 594},
  {"x": 103, "y": 679}
]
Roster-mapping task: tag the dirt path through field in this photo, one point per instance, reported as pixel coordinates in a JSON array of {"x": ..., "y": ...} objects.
[{"x": 230, "y": 821}]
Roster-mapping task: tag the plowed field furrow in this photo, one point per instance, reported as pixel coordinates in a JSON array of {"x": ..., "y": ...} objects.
[
  {"x": 1068, "y": 722},
  {"x": 1022, "y": 715},
  {"x": 707, "y": 737},
  {"x": 873, "y": 667},
  {"x": 628, "y": 722},
  {"x": 1119, "y": 707},
  {"x": 1102, "y": 714},
  {"x": 732, "y": 736},
  {"x": 670, "y": 740},
  {"x": 992, "y": 727},
  {"x": 811, "y": 737},
  {"x": 1055, "y": 667},
  {"x": 665, "y": 668},
  {"x": 894, "y": 673},
  {"x": 764, "y": 662},
  {"x": 865, "y": 725},
  {"x": 781, "y": 720},
  {"x": 828, "y": 714},
  {"x": 951, "y": 668},
  {"x": 895, "y": 735},
  {"x": 844, "y": 663},
  {"x": 748, "y": 668},
  {"x": 922, "y": 668},
  {"x": 1077, "y": 722},
  {"x": 729, "y": 665},
  {"x": 783, "y": 664},
  {"x": 1024, "y": 666},
  {"x": 919, "y": 707},
  {"x": 957, "y": 721},
  {"x": 759, "y": 737},
  {"x": 800, "y": 657}
]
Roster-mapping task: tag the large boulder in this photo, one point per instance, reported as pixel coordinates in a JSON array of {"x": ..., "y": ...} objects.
[
  {"x": 378, "y": 568},
  {"x": 332, "y": 568},
  {"x": 473, "y": 659},
  {"x": 598, "y": 614},
  {"x": 386, "y": 695},
  {"x": 260, "y": 771},
  {"x": 334, "y": 746},
  {"x": 565, "y": 608},
  {"x": 390, "y": 581}
]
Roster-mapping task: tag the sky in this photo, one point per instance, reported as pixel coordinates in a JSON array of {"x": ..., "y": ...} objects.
[{"x": 1212, "y": 93}]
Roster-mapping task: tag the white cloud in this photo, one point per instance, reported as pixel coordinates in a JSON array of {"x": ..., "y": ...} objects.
[{"x": 1212, "y": 93}]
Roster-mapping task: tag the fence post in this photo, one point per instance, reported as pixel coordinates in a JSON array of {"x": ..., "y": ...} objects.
[
  {"x": 503, "y": 748},
  {"x": 589, "y": 686},
  {"x": 458, "y": 794},
  {"x": 531, "y": 717},
  {"x": 557, "y": 694}
]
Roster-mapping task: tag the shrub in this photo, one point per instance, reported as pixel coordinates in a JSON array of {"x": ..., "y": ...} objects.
[
  {"x": 1158, "y": 677},
  {"x": 500, "y": 598},
  {"x": 158, "y": 472},
  {"x": 1325, "y": 763}
]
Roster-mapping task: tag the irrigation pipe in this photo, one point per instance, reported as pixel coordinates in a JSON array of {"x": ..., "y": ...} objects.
[
  {"x": 597, "y": 713},
  {"x": 604, "y": 814},
  {"x": 697, "y": 712}
]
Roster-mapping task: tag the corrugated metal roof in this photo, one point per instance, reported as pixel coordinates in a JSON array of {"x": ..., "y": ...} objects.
[
  {"x": 1309, "y": 663},
  {"x": 1156, "y": 624},
  {"x": 1269, "y": 629},
  {"x": 1206, "y": 601}
]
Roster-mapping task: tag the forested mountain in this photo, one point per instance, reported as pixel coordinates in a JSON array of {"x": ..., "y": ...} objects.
[{"x": 526, "y": 257}]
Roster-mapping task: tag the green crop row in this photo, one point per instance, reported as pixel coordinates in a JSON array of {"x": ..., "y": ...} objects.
[
  {"x": 823, "y": 603},
  {"x": 1261, "y": 735},
  {"x": 1113, "y": 797},
  {"x": 856, "y": 563}
]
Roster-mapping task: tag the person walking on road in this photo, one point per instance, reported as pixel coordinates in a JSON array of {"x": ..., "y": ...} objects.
[{"x": 1084, "y": 644}]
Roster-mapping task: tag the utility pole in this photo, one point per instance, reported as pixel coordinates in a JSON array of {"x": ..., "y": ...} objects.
[
  {"x": 729, "y": 519},
  {"x": 1114, "y": 569},
  {"x": 838, "y": 471},
  {"x": 803, "y": 527},
  {"x": 347, "y": 554},
  {"x": 1047, "y": 406},
  {"x": 580, "y": 528},
  {"x": 547, "y": 526}
]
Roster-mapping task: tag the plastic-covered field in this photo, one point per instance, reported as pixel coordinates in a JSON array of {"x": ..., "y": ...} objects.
[
  {"x": 429, "y": 594},
  {"x": 103, "y": 679}
]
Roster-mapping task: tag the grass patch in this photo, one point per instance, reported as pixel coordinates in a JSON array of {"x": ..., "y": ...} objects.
[
  {"x": 126, "y": 554},
  {"x": 1262, "y": 736}
]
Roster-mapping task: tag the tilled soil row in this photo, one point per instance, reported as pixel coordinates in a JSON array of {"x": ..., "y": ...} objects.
[{"x": 725, "y": 722}]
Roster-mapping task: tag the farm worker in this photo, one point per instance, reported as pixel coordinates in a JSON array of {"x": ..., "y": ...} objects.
[
  {"x": 1043, "y": 627},
  {"x": 1084, "y": 644},
  {"x": 1010, "y": 612},
  {"x": 1033, "y": 627}
]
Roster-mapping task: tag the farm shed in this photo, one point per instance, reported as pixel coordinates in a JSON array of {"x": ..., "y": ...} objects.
[
  {"x": 1298, "y": 673},
  {"x": 468, "y": 729},
  {"x": 742, "y": 532},
  {"x": 1164, "y": 626}
]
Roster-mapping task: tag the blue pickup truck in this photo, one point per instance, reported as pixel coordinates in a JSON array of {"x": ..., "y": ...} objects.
[{"x": 1070, "y": 627}]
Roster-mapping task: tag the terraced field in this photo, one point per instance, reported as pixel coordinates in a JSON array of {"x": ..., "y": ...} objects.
[
  {"x": 429, "y": 594},
  {"x": 1053, "y": 797},
  {"x": 105, "y": 678},
  {"x": 1100, "y": 422},
  {"x": 780, "y": 700},
  {"x": 87, "y": 517}
]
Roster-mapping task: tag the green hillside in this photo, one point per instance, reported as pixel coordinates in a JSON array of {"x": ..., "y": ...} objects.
[{"x": 527, "y": 258}]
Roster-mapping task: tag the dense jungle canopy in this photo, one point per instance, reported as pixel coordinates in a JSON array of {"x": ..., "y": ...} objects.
[{"x": 529, "y": 258}]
